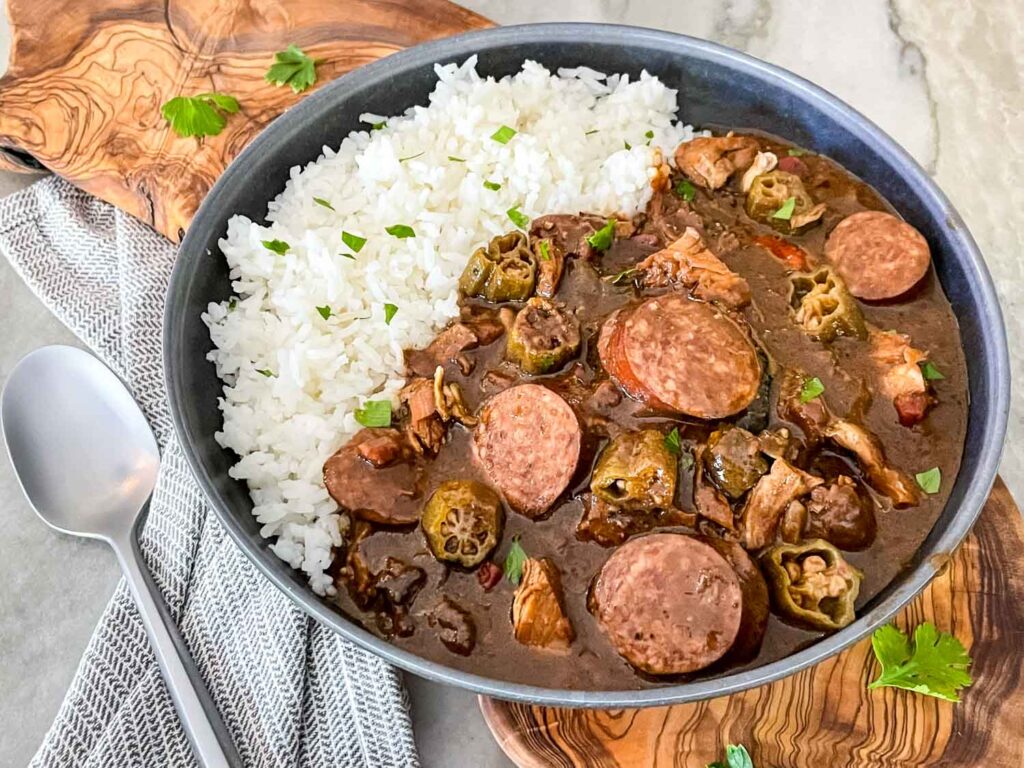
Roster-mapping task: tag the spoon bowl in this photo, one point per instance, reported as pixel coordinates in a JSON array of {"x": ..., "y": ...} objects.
[{"x": 81, "y": 448}]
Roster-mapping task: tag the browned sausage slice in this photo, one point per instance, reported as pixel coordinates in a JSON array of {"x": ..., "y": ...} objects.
[
  {"x": 754, "y": 618},
  {"x": 668, "y": 603},
  {"x": 878, "y": 255},
  {"x": 690, "y": 357},
  {"x": 527, "y": 442},
  {"x": 371, "y": 477}
]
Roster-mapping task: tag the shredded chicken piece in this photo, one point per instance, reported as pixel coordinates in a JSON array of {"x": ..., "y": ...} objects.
[
  {"x": 690, "y": 263},
  {"x": 426, "y": 428},
  {"x": 449, "y": 343},
  {"x": 711, "y": 160},
  {"x": 899, "y": 374},
  {"x": 763, "y": 162},
  {"x": 799, "y": 220},
  {"x": 865, "y": 446},
  {"x": 769, "y": 499},
  {"x": 538, "y": 611},
  {"x": 449, "y": 401}
]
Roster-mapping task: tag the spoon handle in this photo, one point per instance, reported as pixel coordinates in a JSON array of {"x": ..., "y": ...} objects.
[{"x": 202, "y": 723}]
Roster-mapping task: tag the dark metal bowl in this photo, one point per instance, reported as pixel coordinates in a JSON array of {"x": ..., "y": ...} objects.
[{"x": 716, "y": 86}]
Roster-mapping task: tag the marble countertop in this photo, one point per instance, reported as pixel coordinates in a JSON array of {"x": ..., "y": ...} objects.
[{"x": 941, "y": 77}]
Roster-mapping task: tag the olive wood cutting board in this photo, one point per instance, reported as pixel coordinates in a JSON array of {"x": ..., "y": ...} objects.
[
  {"x": 86, "y": 80},
  {"x": 825, "y": 717},
  {"x": 82, "y": 96}
]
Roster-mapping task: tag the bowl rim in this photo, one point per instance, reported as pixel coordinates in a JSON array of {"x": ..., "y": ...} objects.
[{"x": 458, "y": 48}]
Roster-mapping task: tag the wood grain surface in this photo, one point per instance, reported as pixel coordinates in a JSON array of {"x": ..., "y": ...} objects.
[
  {"x": 826, "y": 717},
  {"x": 86, "y": 80}
]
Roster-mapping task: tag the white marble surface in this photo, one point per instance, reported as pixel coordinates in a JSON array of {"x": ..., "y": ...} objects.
[{"x": 943, "y": 77}]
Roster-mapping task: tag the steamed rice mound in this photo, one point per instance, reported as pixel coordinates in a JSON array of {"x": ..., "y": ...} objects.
[{"x": 292, "y": 378}]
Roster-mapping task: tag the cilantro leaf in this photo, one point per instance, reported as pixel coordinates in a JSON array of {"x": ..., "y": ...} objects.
[
  {"x": 355, "y": 242},
  {"x": 933, "y": 663},
  {"x": 324, "y": 203},
  {"x": 280, "y": 247},
  {"x": 199, "y": 115},
  {"x": 811, "y": 389},
  {"x": 736, "y": 756},
  {"x": 545, "y": 250},
  {"x": 410, "y": 157},
  {"x": 626, "y": 144},
  {"x": 265, "y": 372},
  {"x": 672, "y": 441},
  {"x": 401, "y": 231},
  {"x": 930, "y": 372},
  {"x": 785, "y": 212},
  {"x": 325, "y": 311},
  {"x": 518, "y": 218},
  {"x": 604, "y": 237},
  {"x": 930, "y": 480},
  {"x": 455, "y": 159},
  {"x": 374, "y": 413},
  {"x": 591, "y": 132},
  {"x": 504, "y": 134},
  {"x": 685, "y": 191},
  {"x": 389, "y": 312},
  {"x": 514, "y": 561},
  {"x": 491, "y": 185},
  {"x": 292, "y": 67}
]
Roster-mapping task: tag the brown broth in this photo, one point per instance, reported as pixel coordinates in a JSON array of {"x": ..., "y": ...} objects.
[{"x": 591, "y": 663}]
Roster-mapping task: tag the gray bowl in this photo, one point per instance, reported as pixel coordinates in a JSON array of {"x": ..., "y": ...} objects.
[{"x": 716, "y": 86}]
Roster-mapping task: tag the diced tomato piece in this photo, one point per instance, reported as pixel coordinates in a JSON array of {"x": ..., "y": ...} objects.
[{"x": 793, "y": 256}]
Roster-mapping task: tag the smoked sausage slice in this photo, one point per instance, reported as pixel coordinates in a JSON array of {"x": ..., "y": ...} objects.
[
  {"x": 689, "y": 357},
  {"x": 668, "y": 603},
  {"x": 754, "y": 618},
  {"x": 372, "y": 478},
  {"x": 527, "y": 442},
  {"x": 878, "y": 255}
]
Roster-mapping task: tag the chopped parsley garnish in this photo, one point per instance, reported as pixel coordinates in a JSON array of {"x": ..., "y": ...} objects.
[
  {"x": 410, "y": 157},
  {"x": 591, "y": 132},
  {"x": 672, "y": 442},
  {"x": 545, "y": 251},
  {"x": 378, "y": 126},
  {"x": 811, "y": 389},
  {"x": 324, "y": 203},
  {"x": 786, "y": 211},
  {"x": 374, "y": 413},
  {"x": 401, "y": 231},
  {"x": 355, "y": 242},
  {"x": 796, "y": 152},
  {"x": 292, "y": 67},
  {"x": 199, "y": 115},
  {"x": 389, "y": 312},
  {"x": 280, "y": 247},
  {"x": 265, "y": 372},
  {"x": 933, "y": 663},
  {"x": 649, "y": 136},
  {"x": 685, "y": 191},
  {"x": 324, "y": 311},
  {"x": 736, "y": 756},
  {"x": 232, "y": 303},
  {"x": 491, "y": 185},
  {"x": 504, "y": 134},
  {"x": 621, "y": 277},
  {"x": 604, "y": 237},
  {"x": 930, "y": 480},
  {"x": 930, "y": 372},
  {"x": 348, "y": 256},
  {"x": 514, "y": 561},
  {"x": 518, "y": 218},
  {"x": 626, "y": 144},
  {"x": 455, "y": 159}
]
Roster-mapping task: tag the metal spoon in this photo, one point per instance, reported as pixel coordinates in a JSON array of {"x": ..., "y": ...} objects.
[{"x": 87, "y": 461}]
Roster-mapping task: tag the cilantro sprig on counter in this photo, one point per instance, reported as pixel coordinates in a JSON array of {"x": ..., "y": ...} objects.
[
  {"x": 292, "y": 67},
  {"x": 933, "y": 663},
  {"x": 199, "y": 115}
]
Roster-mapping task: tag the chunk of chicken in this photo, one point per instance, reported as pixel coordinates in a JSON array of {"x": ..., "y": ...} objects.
[
  {"x": 763, "y": 162},
  {"x": 768, "y": 501},
  {"x": 708, "y": 500},
  {"x": 443, "y": 349},
  {"x": 426, "y": 428},
  {"x": 538, "y": 611},
  {"x": 819, "y": 423},
  {"x": 689, "y": 263},
  {"x": 899, "y": 374},
  {"x": 710, "y": 160}
]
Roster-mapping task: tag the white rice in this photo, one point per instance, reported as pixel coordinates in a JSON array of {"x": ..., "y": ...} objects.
[{"x": 569, "y": 155}]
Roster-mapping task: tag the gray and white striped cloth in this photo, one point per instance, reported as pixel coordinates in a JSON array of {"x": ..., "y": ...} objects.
[{"x": 291, "y": 692}]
